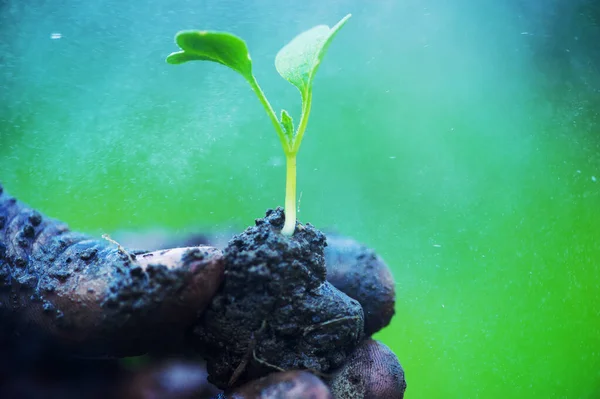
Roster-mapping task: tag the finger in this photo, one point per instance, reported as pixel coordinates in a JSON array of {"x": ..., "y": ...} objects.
[
  {"x": 173, "y": 379},
  {"x": 92, "y": 295},
  {"x": 352, "y": 268},
  {"x": 284, "y": 385},
  {"x": 372, "y": 371},
  {"x": 361, "y": 274},
  {"x": 33, "y": 367}
]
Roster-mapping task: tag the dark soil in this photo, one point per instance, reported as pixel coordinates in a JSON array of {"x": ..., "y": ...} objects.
[
  {"x": 353, "y": 268},
  {"x": 275, "y": 310}
]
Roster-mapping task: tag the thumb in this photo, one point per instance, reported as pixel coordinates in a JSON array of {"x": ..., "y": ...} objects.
[{"x": 93, "y": 296}]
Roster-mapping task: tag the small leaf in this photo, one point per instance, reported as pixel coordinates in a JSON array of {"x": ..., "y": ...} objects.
[
  {"x": 288, "y": 124},
  {"x": 299, "y": 60},
  {"x": 221, "y": 47}
]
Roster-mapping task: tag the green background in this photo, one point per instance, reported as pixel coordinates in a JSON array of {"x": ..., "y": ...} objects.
[{"x": 458, "y": 139}]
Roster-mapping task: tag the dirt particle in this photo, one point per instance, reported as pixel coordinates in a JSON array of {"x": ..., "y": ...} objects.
[
  {"x": 48, "y": 307},
  {"x": 59, "y": 273},
  {"x": 35, "y": 218},
  {"x": 27, "y": 280},
  {"x": 193, "y": 255},
  {"x": 28, "y": 231},
  {"x": 22, "y": 240},
  {"x": 47, "y": 285},
  {"x": 60, "y": 320},
  {"x": 88, "y": 254}
]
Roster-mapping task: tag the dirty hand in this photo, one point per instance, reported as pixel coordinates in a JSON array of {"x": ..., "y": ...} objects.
[{"x": 94, "y": 299}]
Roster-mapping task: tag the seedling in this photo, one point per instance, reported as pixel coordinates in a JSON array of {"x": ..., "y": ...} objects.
[{"x": 297, "y": 62}]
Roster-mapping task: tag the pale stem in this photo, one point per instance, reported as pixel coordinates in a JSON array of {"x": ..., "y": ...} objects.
[
  {"x": 306, "y": 103},
  {"x": 290, "y": 195}
]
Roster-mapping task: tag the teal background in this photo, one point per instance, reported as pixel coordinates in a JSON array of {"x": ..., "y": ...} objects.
[{"x": 458, "y": 139}]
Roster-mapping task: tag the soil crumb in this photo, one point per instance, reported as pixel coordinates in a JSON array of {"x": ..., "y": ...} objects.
[{"x": 275, "y": 310}]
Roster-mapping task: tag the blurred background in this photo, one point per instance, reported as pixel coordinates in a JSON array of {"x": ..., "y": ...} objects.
[{"x": 459, "y": 139}]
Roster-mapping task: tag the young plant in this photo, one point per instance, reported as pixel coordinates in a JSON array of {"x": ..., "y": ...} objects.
[{"x": 297, "y": 62}]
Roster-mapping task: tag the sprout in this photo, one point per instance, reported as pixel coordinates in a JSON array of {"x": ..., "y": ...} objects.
[{"x": 297, "y": 62}]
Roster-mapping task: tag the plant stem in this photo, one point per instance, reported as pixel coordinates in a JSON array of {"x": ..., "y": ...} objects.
[
  {"x": 290, "y": 155},
  {"x": 306, "y": 103},
  {"x": 290, "y": 195},
  {"x": 263, "y": 100}
]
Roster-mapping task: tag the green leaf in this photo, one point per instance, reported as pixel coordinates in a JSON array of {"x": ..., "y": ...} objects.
[
  {"x": 288, "y": 124},
  {"x": 299, "y": 60},
  {"x": 221, "y": 47}
]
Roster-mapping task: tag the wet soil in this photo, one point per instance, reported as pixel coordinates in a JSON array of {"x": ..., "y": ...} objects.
[
  {"x": 275, "y": 310},
  {"x": 353, "y": 268}
]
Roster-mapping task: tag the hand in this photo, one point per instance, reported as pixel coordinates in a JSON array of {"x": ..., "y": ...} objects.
[{"x": 78, "y": 299}]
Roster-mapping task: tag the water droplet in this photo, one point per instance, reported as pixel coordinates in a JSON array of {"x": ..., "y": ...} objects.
[{"x": 275, "y": 161}]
